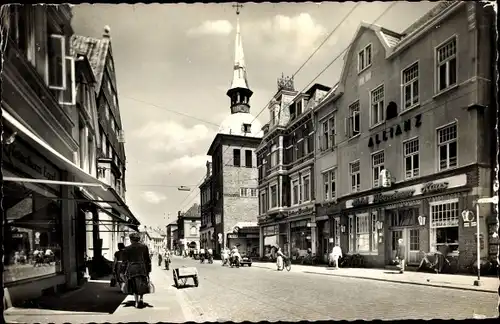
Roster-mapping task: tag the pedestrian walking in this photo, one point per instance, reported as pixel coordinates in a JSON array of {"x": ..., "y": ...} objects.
[
  {"x": 334, "y": 256},
  {"x": 138, "y": 267},
  {"x": 160, "y": 257},
  {"x": 279, "y": 259},
  {"x": 118, "y": 264},
  {"x": 400, "y": 255}
]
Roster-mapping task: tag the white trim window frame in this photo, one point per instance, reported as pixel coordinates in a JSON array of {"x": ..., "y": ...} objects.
[
  {"x": 295, "y": 191},
  {"x": 442, "y": 214},
  {"x": 353, "y": 121},
  {"x": 447, "y": 142},
  {"x": 365, "y": 58},
  {"x": 411, "y": 159},
  {"x": 333, "y": 184},
  {"x": 378, "y": 160},
  {"x": 410, "y": 82},
  {"x": 71, "y": 87},
  {"x": 274, "y": 155},
  {"x": 275, "y": 195},
  {"x": 328, "y": 133},
  {"x": 374, "y": 232},
  {"x": 306, "y": 188},
  {"x": 355, "y": 175},
  {"x": 56, "y": 61},
  {"x": 377, "y": 98},
  {"x": 446, "y": 65},
  {"x": 362, "y": 230},
  {"x": 350, "y": 233}
]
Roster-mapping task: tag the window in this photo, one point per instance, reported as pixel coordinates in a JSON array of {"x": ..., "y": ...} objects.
[
  {"x": 329, "y": 185},
  {"x": 412, "y": 158},
  {"x": 243, "y": 192},
  {"x": 444, "y": 224},
  {"x": 374, "y": 230},
  {"x": 377, "y": 166},
  {"x": 274, "y": 155},
  {"x": 193, "y": 231},
  {"x": 336, "y": 230},
  {"x": 32, "y": 230},
  {"x": 447, "y": 145},
  {"x": 377, "y": 105},
  {"x": 295, "y": 192},
  {"x": 410, "y": 86},
  {"x": 248, "y": 158},
  {"x": 446, "y": 56},
  {"x": 253, "y": 192},
  {"x": 68, "y": 96},
  {"x": 354, "y": 171},
  {"x": 56, "y": 62},
  {"x": 353, "y": 120},
  {"x": 263, "y": 202},
  {"x": 274, "y": 196},
  {"x": 362, "y": 233},
  {"x": 299, "y": 108},
  {"x": 245, "y": 128},
  {"x": 236, "y": 157},
  {"x": 306, "y": 188},
  {"x": 328, "y": 134},
  {"x": 365, "y": 58},
  {"x": 350, "y": 229}
]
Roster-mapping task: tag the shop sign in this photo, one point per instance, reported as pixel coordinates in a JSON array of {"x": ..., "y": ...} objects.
[
  {"x": 300, "y": 211},
  {"x": 445, "y": 223},
  {"x": 469, "y": 218},
  {"x": 411, "y": 191},
  {"x": 433, "y": 187},
  {"x": 395, "y": 130},
  {"x": 271, "y": 230},
  {"x": 253, "y": 236},
  {"x": 232, "y": 236},
  {"x": 29, "y": 161}
]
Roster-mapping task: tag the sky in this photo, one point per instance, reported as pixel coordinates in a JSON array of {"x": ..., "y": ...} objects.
[{"x": 174, "y": 65}]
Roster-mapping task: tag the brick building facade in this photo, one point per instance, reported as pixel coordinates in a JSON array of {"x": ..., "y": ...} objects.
[{"x": 419, "y": 105}]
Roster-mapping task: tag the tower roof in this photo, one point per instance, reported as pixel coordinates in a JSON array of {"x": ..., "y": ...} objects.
[{"x": 239, "y": 69}]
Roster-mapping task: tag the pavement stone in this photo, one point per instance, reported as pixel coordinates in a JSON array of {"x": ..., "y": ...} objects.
[
  {"x": 167, "y": 304},
  {"x": 452, "y": 281}
]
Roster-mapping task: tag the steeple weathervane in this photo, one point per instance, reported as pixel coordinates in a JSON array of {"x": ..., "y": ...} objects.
[{"x": 239, "y": 91}]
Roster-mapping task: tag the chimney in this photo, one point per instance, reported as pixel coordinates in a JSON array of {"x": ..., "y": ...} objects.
[{"x": 107, "y": 30}]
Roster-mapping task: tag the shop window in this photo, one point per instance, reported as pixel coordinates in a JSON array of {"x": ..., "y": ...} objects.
[
  {"x": 403, "y": 217},
  {"x": 374, "y": 233},
  {"x": 447, "y": 143},
  {"x": 336, "y": 230},
  {"x": 362, "y": 233},
  {"x": 444, "y": 225},
  {"x": 33, "y": 237},
  {"x": 300, "y": 238}
]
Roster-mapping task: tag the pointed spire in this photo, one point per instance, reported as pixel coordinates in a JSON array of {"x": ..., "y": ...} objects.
[{"x": 239, "y": 92}]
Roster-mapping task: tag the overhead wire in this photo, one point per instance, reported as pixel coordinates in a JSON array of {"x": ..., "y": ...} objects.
[{"x": 296, "y": 72}]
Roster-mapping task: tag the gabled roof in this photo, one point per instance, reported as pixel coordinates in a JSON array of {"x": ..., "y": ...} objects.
[
  {"x": 442, "y": 5},
  {"x": 96, "y": 51}
]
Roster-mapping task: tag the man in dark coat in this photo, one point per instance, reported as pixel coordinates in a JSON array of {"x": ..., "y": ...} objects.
[
  {"x": 138, "y": 265},
  {"x": 400, "y": 255}
]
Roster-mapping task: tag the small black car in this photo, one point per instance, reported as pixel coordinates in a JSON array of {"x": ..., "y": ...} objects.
[{"x": 246, "y": 260}]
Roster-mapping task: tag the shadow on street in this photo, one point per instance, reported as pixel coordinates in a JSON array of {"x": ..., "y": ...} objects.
[
  {"x": 185, "y": 286},
  {"x": 97, "y": 297},
  {"x": 131, "y": 303}
]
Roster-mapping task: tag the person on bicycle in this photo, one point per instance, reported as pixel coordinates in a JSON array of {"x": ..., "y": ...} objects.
[
  {"x": 335, "y": 255},
  {"x": 235, "y": 252},
  {"x": 279, "y": 259}
]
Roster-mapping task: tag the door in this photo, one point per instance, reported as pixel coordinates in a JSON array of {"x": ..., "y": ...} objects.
[{"x": 411, "y": 239}]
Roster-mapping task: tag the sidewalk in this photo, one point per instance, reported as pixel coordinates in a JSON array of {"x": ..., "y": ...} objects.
[
  {"x": 464, "y": 282},
  {"x": 166, "y": 304}
]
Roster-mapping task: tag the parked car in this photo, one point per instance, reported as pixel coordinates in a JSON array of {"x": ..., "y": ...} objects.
[{"x": 245, "y": 260}]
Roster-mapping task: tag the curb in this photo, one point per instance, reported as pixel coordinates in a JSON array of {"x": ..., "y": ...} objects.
[
  {"x": 393, "y": 281},
  {"x": 405, "y": 282}
]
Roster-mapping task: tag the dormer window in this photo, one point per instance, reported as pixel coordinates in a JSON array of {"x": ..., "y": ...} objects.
[
  {"x": 245, "y": 128},
  {"x": 365, "y": 58},
  {"x": 298, "y": 110}
]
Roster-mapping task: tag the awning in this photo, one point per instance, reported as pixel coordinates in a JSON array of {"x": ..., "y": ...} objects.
[{"x": 96, "y": 187}]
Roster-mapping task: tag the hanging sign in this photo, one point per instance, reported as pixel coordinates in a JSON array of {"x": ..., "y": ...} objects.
[{"x": 395, "y": 130}]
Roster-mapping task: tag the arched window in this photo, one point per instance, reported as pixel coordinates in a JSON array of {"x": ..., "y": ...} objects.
[{"x": 194, "y": 230}]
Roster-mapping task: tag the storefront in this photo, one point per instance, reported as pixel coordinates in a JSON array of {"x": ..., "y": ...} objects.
[
  {"x": 246, "y": 239},
  {"x": 300, "y": 237},
  {"x": 328, "y": 229},
  {"x": 427, "y": 216},
  {"x": 270, "y": 235}
]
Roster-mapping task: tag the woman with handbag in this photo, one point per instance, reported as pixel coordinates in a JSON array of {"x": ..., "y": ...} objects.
[{"x": 138, "y": 267}]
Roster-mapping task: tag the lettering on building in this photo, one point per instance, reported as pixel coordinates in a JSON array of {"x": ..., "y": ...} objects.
[
  {"x": 378, "y": 198},
  {"x": 17, "y": 154},
  {"x": 433, "y": 187},
  {"x": 360, "y": 201},
  {"x": 300, "y": 211},
  {"x": 395, "y": 130}
]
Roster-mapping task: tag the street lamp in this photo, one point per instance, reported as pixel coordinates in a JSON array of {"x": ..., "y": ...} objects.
[
  {"x": 183, "y": 188},
  {"x": 491, "y": 200}
]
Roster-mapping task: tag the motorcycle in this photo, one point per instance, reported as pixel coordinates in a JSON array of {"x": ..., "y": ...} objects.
[{"x": 234, "y": 260}]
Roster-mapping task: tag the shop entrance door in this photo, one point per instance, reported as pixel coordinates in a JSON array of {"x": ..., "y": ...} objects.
[{"x": 411, "y": 239}]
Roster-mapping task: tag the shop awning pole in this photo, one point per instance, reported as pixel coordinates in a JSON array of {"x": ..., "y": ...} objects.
[{"x": 54, "y": 182}]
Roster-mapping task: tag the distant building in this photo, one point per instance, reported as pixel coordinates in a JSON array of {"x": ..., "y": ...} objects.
[
  {"x": 229, "y": 194},
  {"x": 188, "y": 227},
  {"x": 170, "y": 235}
]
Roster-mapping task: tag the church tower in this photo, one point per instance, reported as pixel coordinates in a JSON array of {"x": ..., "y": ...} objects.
[{"x": 239, "y": 92}]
